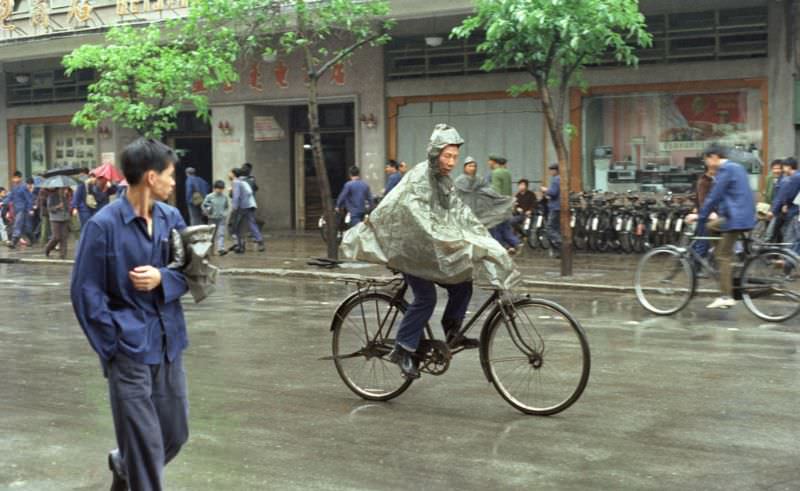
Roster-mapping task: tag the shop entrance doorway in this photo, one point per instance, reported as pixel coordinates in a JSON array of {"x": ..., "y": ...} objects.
[{"x": 192, "y": 142}]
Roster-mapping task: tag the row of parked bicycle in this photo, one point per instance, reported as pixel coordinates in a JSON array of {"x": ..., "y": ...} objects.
[{"x": 617, "y": 222}]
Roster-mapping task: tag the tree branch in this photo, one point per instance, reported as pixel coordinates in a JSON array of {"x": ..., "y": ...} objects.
[{"x": 346, "y": 52}]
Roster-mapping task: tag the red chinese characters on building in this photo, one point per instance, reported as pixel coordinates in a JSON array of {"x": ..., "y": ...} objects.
[
  {"x": 282, "y": 75},
  {"x": 337, "y": 76},
  {"x": 255, "y": 78}
]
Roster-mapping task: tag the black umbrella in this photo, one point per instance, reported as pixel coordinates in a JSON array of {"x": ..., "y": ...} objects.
[
  {"x": 62, "y": 171},
  {"x": 59, "y": 181}
]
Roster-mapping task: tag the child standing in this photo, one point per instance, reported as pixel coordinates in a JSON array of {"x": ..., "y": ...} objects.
[{"x": 215, "y": 207}]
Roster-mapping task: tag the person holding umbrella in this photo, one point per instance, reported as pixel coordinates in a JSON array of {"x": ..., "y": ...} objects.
[
  {"x": 58, "y": 191},
  {"x": 96, "y": 192}
]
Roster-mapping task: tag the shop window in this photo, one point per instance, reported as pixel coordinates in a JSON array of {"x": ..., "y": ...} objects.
[
  {"x": 46, "y": 146},
  {"x": 47, "y": 86},
  {"x": 653, "y": 141}
]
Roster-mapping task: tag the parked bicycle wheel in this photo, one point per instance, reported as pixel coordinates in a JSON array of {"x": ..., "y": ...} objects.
[
  {"x": 364, "y": 332},
  {"x": 626, "y": 233},
  {"x": 770, "y": 285},
  {"x": 538, "y": 358},
  {"x": 665, "y": 281}
]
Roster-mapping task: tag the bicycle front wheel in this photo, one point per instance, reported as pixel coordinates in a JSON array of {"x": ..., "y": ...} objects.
[
  {"x": 770, "y": 285},
  {"x": 665, "y": 281},
  {"x": 364, "y": 333},
  {"x": 537, "y": 358}
]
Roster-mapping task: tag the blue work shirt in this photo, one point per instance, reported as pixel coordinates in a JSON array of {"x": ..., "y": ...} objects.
[
  {"x": 116, "y": 317},
  {"x": 392, "y": 181},
  {"x": 355, "y": 197},
  {"x": 195, "y": 184},
  {"x": 101, "y": 197},
  {"x": 243, "y": 198},
  {"x": 785, "y": 195},
  {"x": 554, "y": 194},
  {"x": 21, "y": 198},
  {"x": 732, "y": 197}
]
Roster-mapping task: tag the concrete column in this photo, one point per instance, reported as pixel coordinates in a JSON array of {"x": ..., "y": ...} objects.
[
  {"x": 4, "y": 178},
  {"x": 272, "y": 167},
  {"x": 228, "y": 150},
  {"x": 371, "y": 151},
  {"x": 781, "y": 74}
]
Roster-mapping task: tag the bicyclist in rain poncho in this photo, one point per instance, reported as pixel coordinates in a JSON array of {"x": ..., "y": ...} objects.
[{"x": 424, "y": 230}]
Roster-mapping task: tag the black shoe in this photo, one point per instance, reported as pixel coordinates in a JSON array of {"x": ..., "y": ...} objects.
[
  {"x": 456, "y": 339},
  {"x": 239, "y": 250},
  {"x": 118, "y": 482},
  {"x": 261, "y": 247},
  {"x": 406, "y": 361}
]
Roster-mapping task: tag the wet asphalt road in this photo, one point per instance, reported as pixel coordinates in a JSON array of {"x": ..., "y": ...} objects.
[{"x": 704, "y": 400}]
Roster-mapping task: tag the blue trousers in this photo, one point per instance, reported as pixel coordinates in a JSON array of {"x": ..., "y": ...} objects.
[
  {"x": 553, "y": 229},
  {"x": 247, "y": 218},
  {"x": 150, "y": 408},
  {"x": 701, "y": 247},
  {"x": 504, "y": 234},
  {"x": 421, "y": 309},
  {"x": 84, "y": 216},
  {"x": 20, "y": 226}
]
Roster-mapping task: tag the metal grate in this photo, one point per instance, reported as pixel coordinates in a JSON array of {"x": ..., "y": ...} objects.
[{"x": 49, "y": 86}]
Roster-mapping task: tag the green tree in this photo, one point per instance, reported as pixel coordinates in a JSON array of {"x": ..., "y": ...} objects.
[
  {"x": 146, "y": 75},
  {"x": 325, "y": 33},
  {"x": 553, "y": 40}
]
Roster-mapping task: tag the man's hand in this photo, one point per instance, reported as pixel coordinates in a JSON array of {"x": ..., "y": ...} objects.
[
  {"x": 74, "y": 212},
  {"x": 145, "y": 278},
  {"x": 770, "y": 216},
  {"x": 543, "y": 189}
]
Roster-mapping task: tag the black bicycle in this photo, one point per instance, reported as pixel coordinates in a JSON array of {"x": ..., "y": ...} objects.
[
  {"x": 533, "y": 351},
  {"x": 768, "y": 279}
]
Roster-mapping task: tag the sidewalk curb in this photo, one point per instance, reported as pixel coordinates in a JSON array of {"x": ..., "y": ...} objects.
[{"x": 338, "y": 276}]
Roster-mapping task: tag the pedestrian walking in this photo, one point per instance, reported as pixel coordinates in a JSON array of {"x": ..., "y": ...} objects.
[
  {"x": 355, "y": 198},
  {"x": 91, "y": 197},
  {"x": 776, "y": 172},
  {"x": 216, "y": 206},
  {"x": 58, "y": 214},
  {"x": 786, "y": 206},
  {"x": 244, "y": 206},
  {"x": 501, "y": 183},
  {"x": 21, "y": 200},
  {"x": 733, "y": 200},
  {"x": 553, "y": 194},
  {"x": 128, "y": 303},
  {"x": 488, "y": 206},
  {"x": 196, "y": 191},
  {"x": 393, "y": 175}
]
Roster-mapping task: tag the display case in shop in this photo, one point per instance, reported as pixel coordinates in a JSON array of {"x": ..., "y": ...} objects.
[
  {"x": 46, "y": 146},
  {"x": 652, "y": 142}
]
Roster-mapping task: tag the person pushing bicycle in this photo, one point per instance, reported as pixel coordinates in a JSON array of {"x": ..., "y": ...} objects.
[
  {"x": 425, "y": 231},
  {"x": 733, "y": 200}
]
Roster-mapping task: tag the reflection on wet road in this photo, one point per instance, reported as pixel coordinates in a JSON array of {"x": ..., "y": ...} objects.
[{"x": 703, "y": 400}]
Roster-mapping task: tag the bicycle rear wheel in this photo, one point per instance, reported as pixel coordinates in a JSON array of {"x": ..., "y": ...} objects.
[
  {"x": 364, "y": 332},
  {"x": 665, "y": 281},
  {"x": 538, "y": 358},
  {"x": 770, "y": 285}
]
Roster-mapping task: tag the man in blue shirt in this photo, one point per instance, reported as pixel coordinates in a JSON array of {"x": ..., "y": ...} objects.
[
  {"x": 243, "y": 203},
  {"x": 783, "y": 204},
  {"x": 128, "y": 303},
  {"x": 21, "y": 199},
  {"x": 355, "y": 197},
  {"x": 196, "y": 190},
  {"x": 393, "y": 174},
  {"x": 553, "y": 193},
  {"x": 732, "y": 198}
]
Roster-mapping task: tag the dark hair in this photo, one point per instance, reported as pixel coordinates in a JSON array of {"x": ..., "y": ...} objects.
[
  {"x": 143, "y": 155},
  {"x": 525, "y": 182},
  {"x": 790, "y": 162},
  {"x": 84, "y": 170},
  {"x": 497, "y": 158},
  {"x": 29, "y": 181},
  {"x": 17, "y": 173},
  {"x": 776, "y": 162},
  {"x": 2, "y": 189},
  {"x": 237, "y": 172},
  {"x": 354, "y": 171},
  {"x": 553, "y": 166},
  {"x": 716, "y": 149},
  {"x": 247, "y": 169},
  {"x": 219, "y": 184},
  {"x": 393, "y": 163}
]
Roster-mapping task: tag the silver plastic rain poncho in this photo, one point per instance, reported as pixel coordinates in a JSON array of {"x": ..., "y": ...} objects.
[
  {"x": 490, "y": 207},
  {"x": 422, "y": 228},
  {"x": 190, "y": 251}
]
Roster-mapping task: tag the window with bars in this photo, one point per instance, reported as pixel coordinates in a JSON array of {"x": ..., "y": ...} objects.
[
  {"x": 48, "y": 86},
  {"x": 697, "y": 36}
]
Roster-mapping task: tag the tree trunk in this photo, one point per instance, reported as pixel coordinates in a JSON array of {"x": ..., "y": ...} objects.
[
  {"x": 321, "y": 169},
  {"x": 557, "y": 136}
]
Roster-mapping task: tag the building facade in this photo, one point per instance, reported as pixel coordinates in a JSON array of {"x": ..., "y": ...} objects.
[{"x": 718, "y": 70}]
